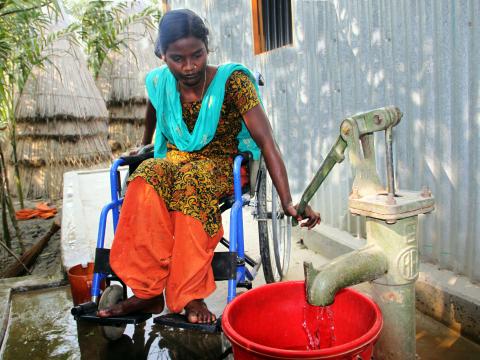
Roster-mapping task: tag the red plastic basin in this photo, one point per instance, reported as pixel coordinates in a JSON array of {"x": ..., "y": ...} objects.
[{"x": 266, "y": 323}]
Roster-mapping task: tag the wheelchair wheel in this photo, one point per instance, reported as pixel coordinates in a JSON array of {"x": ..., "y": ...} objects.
[
  {"x": 274, "y": 229},
  {"x": 111, "y": 296}
]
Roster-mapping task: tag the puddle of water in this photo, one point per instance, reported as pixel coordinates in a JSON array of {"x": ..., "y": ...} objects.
[{"x": 41, "y": 327}]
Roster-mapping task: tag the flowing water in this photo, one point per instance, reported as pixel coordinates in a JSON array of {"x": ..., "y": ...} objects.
[{"x": 318, "y": 322}]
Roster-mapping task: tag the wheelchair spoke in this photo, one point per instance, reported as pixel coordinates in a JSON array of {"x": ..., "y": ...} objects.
[
  {"x": 274, "y": 229},
  {"x": 269, "y": 215}
]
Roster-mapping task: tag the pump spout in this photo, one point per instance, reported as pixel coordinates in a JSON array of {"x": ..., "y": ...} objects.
[{"x": 366, "y": 264}]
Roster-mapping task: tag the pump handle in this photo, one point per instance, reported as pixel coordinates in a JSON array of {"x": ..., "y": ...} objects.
[{"x": 359, "y": 127}]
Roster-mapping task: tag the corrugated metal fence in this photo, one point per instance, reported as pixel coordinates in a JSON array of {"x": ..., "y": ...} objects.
[{"x": 353, "y": 55}]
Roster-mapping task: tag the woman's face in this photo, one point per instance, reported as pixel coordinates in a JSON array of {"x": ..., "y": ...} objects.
[{"x": 187, "y": 60}]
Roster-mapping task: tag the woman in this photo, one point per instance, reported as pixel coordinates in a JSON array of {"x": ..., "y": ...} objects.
[{"x": 170, "y": 223}]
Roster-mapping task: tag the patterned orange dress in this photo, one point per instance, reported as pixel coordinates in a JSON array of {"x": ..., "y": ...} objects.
[
  {"x": 193, "y": 182},
  {"x": 170, "y": 222}
]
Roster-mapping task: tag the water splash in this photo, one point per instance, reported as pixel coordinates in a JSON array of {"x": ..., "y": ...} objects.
[{"x": 319, "y": 326}]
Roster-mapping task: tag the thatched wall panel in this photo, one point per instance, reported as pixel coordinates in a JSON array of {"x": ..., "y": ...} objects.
[
  {"x": 63, "y": 87},
  {"x": 59, "y": 128},
  {"x": 122, "y": 76},
  {"x": 34, "y": 151},
  {"x": 123, "y": 135},
  {"x": 122, "y": 84},
  {"x": 128, "y": 112},
  {"x": 125, "y": 126},
  {"x": 59, "y": 104},
  {"x": 61, "y": 123}
]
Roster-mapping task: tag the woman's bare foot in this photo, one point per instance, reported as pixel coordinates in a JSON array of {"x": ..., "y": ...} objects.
[
  {"x": 134, "y": 304},
  {"x": 197, "y": 311}
]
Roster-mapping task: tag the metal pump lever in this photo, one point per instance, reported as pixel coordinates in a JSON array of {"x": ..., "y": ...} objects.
[{"x": 355, "y": 130}]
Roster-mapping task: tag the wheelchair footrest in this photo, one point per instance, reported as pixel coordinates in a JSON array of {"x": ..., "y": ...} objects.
[
  {"x": 92, "y": 317},
  {"x": 180, "y": 321}
]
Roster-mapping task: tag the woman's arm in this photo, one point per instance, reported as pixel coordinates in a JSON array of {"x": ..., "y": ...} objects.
[
  {"x": 259, "y": 127},
  {"x": 150, "y": 122}
]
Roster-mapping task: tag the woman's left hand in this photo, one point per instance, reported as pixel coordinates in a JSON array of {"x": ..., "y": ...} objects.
[{"x": 311, "y": 216}]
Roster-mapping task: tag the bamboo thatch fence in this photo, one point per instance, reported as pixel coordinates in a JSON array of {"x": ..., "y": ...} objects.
[
  {"x": 61, "y": 123},
  {"x": 121, "y": 81}
]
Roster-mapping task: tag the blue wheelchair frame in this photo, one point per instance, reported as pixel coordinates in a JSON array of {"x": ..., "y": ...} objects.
[{"x": 235, "y": 245}]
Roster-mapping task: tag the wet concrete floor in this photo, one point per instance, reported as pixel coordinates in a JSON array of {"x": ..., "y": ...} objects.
[{"x": 41, "y": 327}]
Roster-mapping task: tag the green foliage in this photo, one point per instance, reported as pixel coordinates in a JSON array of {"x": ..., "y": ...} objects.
[
  {"x": 103, "y": 22},
  {"x": 22, "y": 27}
]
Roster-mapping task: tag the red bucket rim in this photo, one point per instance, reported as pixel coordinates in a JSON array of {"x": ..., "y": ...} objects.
[
  {"x": 79, "y": 271},
  {"x": 369, "y": 337}
]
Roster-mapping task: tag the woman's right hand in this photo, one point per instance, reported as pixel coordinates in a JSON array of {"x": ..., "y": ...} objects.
[{"x": 310, "y": 216}]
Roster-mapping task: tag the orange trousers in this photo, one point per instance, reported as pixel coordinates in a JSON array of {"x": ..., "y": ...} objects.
[{"x": 155, "y": 250}]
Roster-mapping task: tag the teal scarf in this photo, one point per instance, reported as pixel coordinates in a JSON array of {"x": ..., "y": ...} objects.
[{"x": 165, "y": 98}]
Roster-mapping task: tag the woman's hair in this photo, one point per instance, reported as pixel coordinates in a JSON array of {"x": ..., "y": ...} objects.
[{"x": 179, "y": 24}]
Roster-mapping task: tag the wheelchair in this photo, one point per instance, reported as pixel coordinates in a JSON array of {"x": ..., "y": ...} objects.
[{"x": 234, "y": 266}]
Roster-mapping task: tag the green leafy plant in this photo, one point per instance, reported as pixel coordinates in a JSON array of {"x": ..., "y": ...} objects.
[{"x": 102, "y": 23}]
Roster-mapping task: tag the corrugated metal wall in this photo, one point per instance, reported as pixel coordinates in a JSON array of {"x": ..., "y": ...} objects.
[{"x": 353, "y": 55}]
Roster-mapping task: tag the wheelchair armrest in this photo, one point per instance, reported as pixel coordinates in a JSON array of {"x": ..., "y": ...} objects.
[
  {"x": 136, "y": 159},
  {"x": 144, "y": 153},
  {"x": 133, "y": 161}
]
